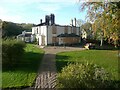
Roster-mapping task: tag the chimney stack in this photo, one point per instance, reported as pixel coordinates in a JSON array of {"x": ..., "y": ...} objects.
[
  {"x": 47, "y": 19},
  {"x": 72, "y": 22},
  {"x": 75, "y": 21},
  {"x": 52, "y": 18},
  {"x": 40, "y": 21}
]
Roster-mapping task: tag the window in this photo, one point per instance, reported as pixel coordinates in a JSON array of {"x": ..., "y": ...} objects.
[
  {"x": 66, "y": 29},
  {"x": 54, "y": 30},
  {"x": 54, "y": 39},
  {"x": 37, "y": 30},
  {"x": 74, "y": 30}
]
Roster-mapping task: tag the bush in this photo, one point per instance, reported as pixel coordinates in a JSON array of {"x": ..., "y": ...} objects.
[
  {"x": 84, "y": 75},
  {"x": 12, "y": 51}
]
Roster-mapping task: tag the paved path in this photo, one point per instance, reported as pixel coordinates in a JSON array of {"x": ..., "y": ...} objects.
[{"x": 47, "y": 73}]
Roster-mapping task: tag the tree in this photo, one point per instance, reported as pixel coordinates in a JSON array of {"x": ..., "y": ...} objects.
[
  {"x": 106, "y": 19},
  {"x": 10, "y": 29},
  {"x": 27, "y": 27},
  {"x": 87, "y": 27},
  {"x": 79, "y": 22}
]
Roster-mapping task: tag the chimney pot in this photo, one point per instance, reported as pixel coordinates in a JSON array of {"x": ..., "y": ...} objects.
[
  {"x": 41, "y": 21},
  {"x": 75, "y": 21},
  {"x": 72, "y": 22}
]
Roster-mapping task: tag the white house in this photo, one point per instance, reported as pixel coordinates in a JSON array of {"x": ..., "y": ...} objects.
[
  {"x": 56, "y": 34},
  {"x": 49, "y": 33},
  {"x": 26, "y": 36}
]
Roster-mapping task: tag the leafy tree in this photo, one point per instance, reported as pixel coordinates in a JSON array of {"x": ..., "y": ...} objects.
[
  {"x": 87, "y": 27},
  {"x": 27, "y": 27},
  {"x": 10, "y": 29},
  {"x": 106, "y": 19},
  {"x": 79, "y": 22},
  {"x": 0, "y": 28}
]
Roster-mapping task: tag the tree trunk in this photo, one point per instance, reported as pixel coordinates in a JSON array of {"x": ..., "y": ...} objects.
[{"x": 101, "y": 42}]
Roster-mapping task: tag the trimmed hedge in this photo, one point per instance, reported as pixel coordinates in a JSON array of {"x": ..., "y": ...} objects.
[
  {"x": 12, "y": 51},
  {"x": 84, "y": 75}
]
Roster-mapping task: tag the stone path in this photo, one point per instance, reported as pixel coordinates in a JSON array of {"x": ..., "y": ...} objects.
[{"x": 47, "y": 73}]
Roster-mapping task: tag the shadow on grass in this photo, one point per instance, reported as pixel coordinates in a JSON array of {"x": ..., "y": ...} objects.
[
  {"x": 29, "y": 62},
  {"x": 106, "y": 47},
  {"x": 62, "y": 62}
]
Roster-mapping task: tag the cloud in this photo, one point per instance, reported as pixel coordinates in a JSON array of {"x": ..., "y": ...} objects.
[
  {"x": 54, "y": 6},
  {"x": 2, "y": 10},
  {"x": 13, "y": 18},
  {"x": 6, "y": 16},
  {"x": 49, "y": 7},
  {"x": 44, "y": 5},
  {"x": 20, "y": 10},
  {"x": 37, "y": 1}
]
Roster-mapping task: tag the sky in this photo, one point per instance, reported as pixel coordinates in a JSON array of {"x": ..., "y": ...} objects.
[{"x": 31, "y": 11}]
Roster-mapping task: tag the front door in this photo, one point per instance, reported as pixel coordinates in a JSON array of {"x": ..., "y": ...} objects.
[
  {"x": 60, "y": 41},
  {"x": 43, "y": 40}
]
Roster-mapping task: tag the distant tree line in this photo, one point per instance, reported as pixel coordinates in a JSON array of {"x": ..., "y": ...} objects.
[{"x": 10, "y": 29}]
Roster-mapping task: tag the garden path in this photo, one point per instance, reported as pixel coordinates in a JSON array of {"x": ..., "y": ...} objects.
[{"x": 47, "y": 73}]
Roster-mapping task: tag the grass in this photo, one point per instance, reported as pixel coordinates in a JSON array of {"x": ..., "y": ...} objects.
[
  {"x": 104, "y": 58},
  {"x": 25, "y": 73}
]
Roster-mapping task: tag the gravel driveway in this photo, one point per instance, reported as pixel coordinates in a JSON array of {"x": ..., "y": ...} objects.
[{"x": 47, "y": 72}]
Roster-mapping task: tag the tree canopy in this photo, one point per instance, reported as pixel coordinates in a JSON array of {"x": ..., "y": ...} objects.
[
  {"x": 10, "y": 29},
  {"x": 105, "y": 17}
]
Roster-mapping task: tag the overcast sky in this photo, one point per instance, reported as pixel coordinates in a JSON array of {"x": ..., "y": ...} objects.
[{"x": 31, "y": 11}]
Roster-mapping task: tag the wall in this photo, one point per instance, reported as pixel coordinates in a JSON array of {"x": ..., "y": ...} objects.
[
  {"x": 69, "y": 40},
  {"x": 49, "y": 33},
  {"x": 40, "y": 31},
  {"x": 43, "y": 35}
]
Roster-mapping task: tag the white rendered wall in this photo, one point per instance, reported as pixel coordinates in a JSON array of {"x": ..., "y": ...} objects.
[
  {"x": 42, "y": 32},
  {"x": 47, "y": 32},
  {"x": 77, "y": 30},
  {"x": 69, "y": 30},
  {"x": 33, "y": 30},
  {"x": 60, "y": 30},
  {"x": 50, "y": 35}
]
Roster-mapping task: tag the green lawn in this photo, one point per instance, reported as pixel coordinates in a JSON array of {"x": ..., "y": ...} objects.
[
  {"x": 105, "y": 58},
  {"x": 24, "y": 74}
]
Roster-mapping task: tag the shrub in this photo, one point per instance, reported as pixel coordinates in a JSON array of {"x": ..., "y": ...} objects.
[
  {"x": 84, "y": 75},
  {"x": 12, "y": 51}
]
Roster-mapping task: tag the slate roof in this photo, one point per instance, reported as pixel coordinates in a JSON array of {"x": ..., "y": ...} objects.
[
  {"x": 68, "y": 35},
  {"x": 41, "y": 24},
  {"x": 27, "y": 34}
]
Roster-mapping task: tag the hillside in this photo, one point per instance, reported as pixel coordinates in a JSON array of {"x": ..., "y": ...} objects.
[{"x": 10, "y": 29}]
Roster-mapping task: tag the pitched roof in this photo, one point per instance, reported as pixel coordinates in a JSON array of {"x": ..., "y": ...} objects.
[{"x": 68, "y": 35}]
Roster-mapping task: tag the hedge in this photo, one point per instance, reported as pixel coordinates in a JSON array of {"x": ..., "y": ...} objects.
[
  {"x": 12, "y": 51},
  {"x": 84, "y": 75}
]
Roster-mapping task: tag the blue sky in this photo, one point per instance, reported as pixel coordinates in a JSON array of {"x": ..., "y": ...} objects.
[{"x": 31, "y": 11}]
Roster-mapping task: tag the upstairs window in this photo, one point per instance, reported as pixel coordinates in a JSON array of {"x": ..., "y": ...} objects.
[
  {"x": 74, "y": 30},
  {"x": 54, "y": 39},
  {"x": 37, "y": 30},
  {"x": 54, "y": 30},
  {"x": 66, "y": 29}
]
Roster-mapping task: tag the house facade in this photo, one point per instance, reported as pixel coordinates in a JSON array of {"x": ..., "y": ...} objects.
[
  {"x": 56, "y": 34},
  {"x": 26, "y": 36},
  {"x": 49, "y": 33}
]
